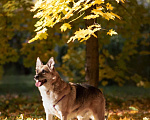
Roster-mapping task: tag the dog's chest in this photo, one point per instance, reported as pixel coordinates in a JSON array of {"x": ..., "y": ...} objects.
[{"x": 49, "y": 99}]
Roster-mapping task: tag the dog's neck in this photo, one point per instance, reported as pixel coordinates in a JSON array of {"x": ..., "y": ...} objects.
[
  {"x": 57, "y": 86},
  {"x": 56, "y": 90},
  {"x": 60, "y": 85}
]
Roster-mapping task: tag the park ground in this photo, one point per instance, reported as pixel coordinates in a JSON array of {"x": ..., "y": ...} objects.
[{"x": 20, "y": 99}]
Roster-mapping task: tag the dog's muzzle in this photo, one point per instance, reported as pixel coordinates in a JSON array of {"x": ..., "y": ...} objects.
[{"x": 39, "y": 82}]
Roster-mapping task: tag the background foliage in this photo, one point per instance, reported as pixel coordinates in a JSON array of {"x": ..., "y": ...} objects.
[{"x": 123, "y": 58}]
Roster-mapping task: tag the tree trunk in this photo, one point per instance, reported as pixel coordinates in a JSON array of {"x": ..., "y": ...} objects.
[{"x": 92, "y": 57}]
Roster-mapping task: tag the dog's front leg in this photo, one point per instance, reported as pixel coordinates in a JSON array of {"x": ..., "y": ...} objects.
[{"x": 49, "y": 116}]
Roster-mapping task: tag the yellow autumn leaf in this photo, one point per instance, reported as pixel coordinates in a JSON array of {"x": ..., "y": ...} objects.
[
  {"x": 68, "y": 15},
  {"x": 115, "y": 15},
  {"x": 85, "y": 34},
  {"x": 38, "y": 23},
  {"x": 98, "y": 2},
  {"x": 123, "y": 1},
  {"x": 97, "y": 12},
  {"x": 65, "y": 26},
  {"x": 38, "y": 28},
  {"x": 42, "y": 31},
  {"x": 42, "y": 34},
  {"x": 109, "y": 7},
  {"x": 94, "y": 26},
  {"x": 99, "y": 8},
  {"x": 133, "y": 112},
  {"x": 71, "y": 39},
  {"x": 81, "y": 35},
  {"x": 111, "y": 32},
  {"x": 108, "y": 16},
  {"x": 38, "y": 15},
  {"x": 91, "y": 16}
]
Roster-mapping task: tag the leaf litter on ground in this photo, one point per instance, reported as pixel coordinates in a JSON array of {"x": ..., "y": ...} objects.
[{"x": 19, "y": 107}]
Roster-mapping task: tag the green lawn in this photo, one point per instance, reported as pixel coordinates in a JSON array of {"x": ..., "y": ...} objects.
[
  {"x": 18, "y": 85},
  {"x": 18, "y": 95}
]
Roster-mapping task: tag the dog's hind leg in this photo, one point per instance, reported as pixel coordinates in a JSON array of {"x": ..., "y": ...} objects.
[
  {"x": 49, "y": 116},
  {"x": 99, "y": 113},
  {"x": 98, "y": 110},
  {"x": 98, "y": 117}
]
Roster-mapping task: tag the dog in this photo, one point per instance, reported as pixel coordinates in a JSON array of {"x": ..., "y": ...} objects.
[{"x": 67, "y": 100}]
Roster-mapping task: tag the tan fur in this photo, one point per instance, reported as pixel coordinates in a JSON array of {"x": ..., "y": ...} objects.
[{"x": 67, "y": 100}]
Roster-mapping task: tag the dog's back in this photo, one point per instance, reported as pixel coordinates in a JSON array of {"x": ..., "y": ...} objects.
[{"x": 85, "y": 92}]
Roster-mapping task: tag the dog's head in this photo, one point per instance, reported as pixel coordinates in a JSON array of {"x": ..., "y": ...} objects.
[{"x": 44, "y": 73}]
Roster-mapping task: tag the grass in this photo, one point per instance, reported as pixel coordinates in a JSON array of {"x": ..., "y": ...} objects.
[
  {"x": 127, "y": 91},
  {"x": 18, "y": 95},
  {"x": 18, "y": 85}
]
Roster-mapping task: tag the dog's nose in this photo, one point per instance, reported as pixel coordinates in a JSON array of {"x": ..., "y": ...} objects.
[{"x": 36, "y": 76}]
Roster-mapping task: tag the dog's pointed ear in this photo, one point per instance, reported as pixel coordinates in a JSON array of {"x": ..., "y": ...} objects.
[
  {"x": 38, "y": 62},
  {"x": 51, "y": 63}
]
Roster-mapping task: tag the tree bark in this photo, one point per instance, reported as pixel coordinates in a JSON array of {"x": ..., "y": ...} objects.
[{"x": 92, "y": 56}]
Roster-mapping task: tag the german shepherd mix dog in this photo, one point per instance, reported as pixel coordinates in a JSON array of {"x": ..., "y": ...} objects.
[{"x": 67, "y": 100}]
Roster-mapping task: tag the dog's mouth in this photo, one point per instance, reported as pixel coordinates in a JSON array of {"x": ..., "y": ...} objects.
[{"x": 40, "y": 82}]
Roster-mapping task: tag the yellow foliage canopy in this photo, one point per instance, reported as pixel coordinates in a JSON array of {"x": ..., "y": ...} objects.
[{"x": 52, "y": 12}]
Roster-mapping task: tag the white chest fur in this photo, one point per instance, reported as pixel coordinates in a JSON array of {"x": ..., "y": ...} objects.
[{"x": 49, "y": 99}]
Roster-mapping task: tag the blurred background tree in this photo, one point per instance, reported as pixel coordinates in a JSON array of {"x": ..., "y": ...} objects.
[
  {"x": 124, "y": 59},
  {"x": 125, "y": 56},
  {"x": 16, "y": 25}
]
